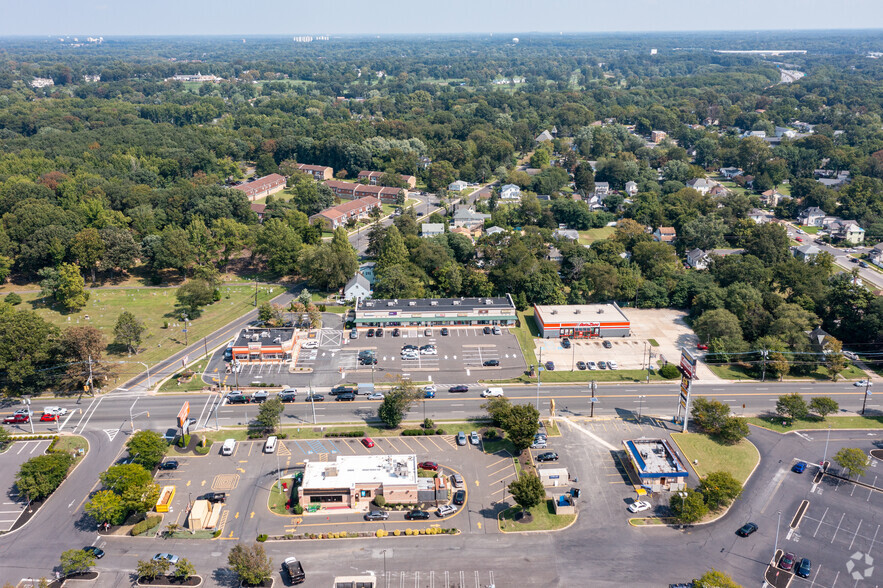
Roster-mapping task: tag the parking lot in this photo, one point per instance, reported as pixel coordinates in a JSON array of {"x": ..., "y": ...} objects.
[
  {"x": 629, "y": 353},
  {"x": 11, "y": 504}
]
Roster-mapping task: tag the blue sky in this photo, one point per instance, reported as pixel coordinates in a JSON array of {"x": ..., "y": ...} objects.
[{"x": 281, "y": 17}]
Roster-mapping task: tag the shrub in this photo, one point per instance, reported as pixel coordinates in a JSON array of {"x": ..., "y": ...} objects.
[
  {"x": 380, "y": 500},
  {"x": 13, "y": 299},
  {"x": 216, "y": 534},
  {"x": 262, "y": 537},
  {"x": 440, "y": 432},
  {"x": 298, "y": 509},
  {"x": 490, "y": 434},
  {"x": 428, "y": 424},
  {"x": 397, "y": 532},
  {"x": 146, "y": 525},
  {"x": 346, "y": 434},
  {"x": 669, "y": 371},
  {"x": 381, "y": 533},
  {"x": 322, "y": 308}
]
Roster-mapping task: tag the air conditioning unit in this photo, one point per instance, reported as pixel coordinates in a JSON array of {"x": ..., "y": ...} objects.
[
  {"x": 412, "y": 303},
  {"x": 576, "y": 311},
  {"x": 456, "y": 303},
  {"x": 390, "y": 303},
  {"x": 433, "y": 303},
  {"x": 554, "y": 312}
]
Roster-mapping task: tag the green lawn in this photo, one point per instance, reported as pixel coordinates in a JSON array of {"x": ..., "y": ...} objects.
[
  {"x": 835, "y": 422},
  {"x": 739, "y": 372},
  {"x": 497, "y": 444},
  {"x": 71, "y": 444},
  {"x": 582, "y": 376},
  {"x": 526, "y": 331},
  {"x": 195, "y": 383},
  {"x": 154, "y": 306},
  {"x": 277, "y": 500},
  {"x": 592, "y": 235},
  {"x": 544, "y": 519},
  {"x": 739, "y": 459},
  {"x": 811, "y": 230}
]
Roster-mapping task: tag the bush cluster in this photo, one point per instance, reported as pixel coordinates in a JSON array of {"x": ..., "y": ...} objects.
[
  {"x": 145, "y": 525},
  {"x": 419, "y": 432},
  {"x": 346, "y": 434}
]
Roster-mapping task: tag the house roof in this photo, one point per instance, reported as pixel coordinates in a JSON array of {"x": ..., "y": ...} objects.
[
  {"x": 817, "y": 336},
  {"x": 695, "y": 253},
  {"x": 432, "y": 228},
  {"x": 510, "y": 187},
  {"x": 469, "y": 214},
  {"x": 812, "y": 211},
  {"x": 566, "y": 234},
  {"x": 360, "y": 280},
  {"x": 258, "y": 207},
  {"x": 261, "y": 184},
  {"x": 666, "y": 231},
  {"x": 307, "y": 167},
  {"x": 495, "y": 230}
]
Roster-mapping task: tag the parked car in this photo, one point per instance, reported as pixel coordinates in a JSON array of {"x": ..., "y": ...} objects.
[
  {"x": 612, "y": 365},
  {"x": 602, "y": 365},
  {"x": 410, "y": 355},
  {"x": 445, "y": 510},
  {"x": 370, "y": 332},
  {"x": 95, "y": 551},
  {"x": 444, "y": 331},
  {"x": 799, "y": 467},
  {"x": 368, "y": 360},
  {"x": 639, "y": 506},
  {"x": 172, "y": 559},
  {"x": 314, "y": 398},
  {"x": 215, "y": 496},
  {"x": 460, "y": 388},
  {"x": 491, "y": 362},
  {"x": 428, "y": 465},
  {"x": 702, "y": 346},
  {"x": 346, "y": 397},
  {"x": 396, "y": 332},
  {"x": 497, "y": 331},
  {"x": 295, "y": 570},
  {"x": 580, "y": 365},
  {"x": 538, "y": 444},
  {"x": 427, "y": 332},
  {"x": 378, "y": 333},
  {"x": 746, "y": 530},
  {"x": 16, "y": 419},
  {"x": 473, "y": 438},
  {"x": 607, "y": 344},
  {"x": 565, "y": 343},
  {"x": 311, "y": 344},
  {"x": 486, "y": 330},
  {"x": 417, "y": 515},
  {"x": 375, "y": 396},
  {"x": 376, "y": 515},
  {"x": 804, "y": 568},
  {"x": 169, "y": 465},
  {"x": 428, "y": 350},
  {"x": 260, "y": 396},
  {"x": 548, "y": 456},
  {"x": 409, "y": 348},
  {"x": 354, "y": 334},
  {"x": 461, "y": 438},
  {"x": 863, "y": 264},
  {"x": 550, "y": 365},
  {"x": 787, "y": 561},
  {"x": 368, "y": 442},
  {"x": 457, "y": 480},
  {"x": 591, "y": 365}
]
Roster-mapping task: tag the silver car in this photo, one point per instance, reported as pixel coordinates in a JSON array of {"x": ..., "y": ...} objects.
[
  {"x": 445, "y": 510},
  {"x": 461, "y": 438}
]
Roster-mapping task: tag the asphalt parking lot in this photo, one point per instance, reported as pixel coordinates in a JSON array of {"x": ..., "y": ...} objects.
[
  {"x": 629, "y": 353},
  {"x": 11, "y": 504}
]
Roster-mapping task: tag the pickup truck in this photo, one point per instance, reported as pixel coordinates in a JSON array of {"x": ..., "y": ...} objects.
[
  {"x": 294, "y": 570},
  {"x": 215, "y": 496}
]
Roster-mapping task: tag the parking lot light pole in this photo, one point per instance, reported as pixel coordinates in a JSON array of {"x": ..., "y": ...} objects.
[
  {"x": 385, "y": 579},
  {"x": 539, "y": 373},
  {"x": 776, "y": 549},
  {"x": 640, "y": 405},
  {"x": 828, "y": 438}
]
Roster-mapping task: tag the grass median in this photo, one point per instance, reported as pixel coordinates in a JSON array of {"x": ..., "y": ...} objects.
[
  {"x": 738, "y": 459},
  {"x": 582, "y": 376},
  {"x": 774, "y": 422},
  {"x": 319, "y": 431},
  {"x": 543, "y": 518}
]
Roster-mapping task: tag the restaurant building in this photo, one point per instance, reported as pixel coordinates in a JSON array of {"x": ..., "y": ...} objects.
[{"x": 581, "y": 321}]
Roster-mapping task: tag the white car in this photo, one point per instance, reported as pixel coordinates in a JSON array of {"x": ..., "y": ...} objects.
[
  {"x": 56, "y": 410},
  {"x": 375, "y": 396},
  {"x": 313, "y": 344},
  {"x": 611, "y": 365},
  {"x": 591, "y": 365},
  {"x": 639, "y": 506},
  {"x": 430, "y": 389},
  {"x": 429, "y": 351},
  {"x": 410, "y": 356},
  {"x": 863, "y": 383}
]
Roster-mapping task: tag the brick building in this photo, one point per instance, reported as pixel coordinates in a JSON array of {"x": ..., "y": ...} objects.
[{"x": 262, "y": 187}]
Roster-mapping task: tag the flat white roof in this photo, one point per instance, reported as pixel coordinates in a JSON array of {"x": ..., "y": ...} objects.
[
  {"x": 348, "y": 470},
  {"x": 578, "y": 313}
]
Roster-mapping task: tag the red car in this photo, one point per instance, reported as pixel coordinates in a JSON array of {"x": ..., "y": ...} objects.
[
  {"x": 702, "y": 346},
  {"x": 367, "y": 442},
  {"x": 428, "y": 465},
  {"x": 48, "y": 416},
  {"x": 17, "y": 419},
  {"x": 798, "y": 239}
]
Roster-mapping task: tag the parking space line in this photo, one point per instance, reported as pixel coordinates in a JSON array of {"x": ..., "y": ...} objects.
[
  {"x": 820, "y": 522},
  {"x": 502, "y": 459},
  {"x": 508, "y": 465},
  {"x": 838, "y": 527},
  {"x": 855, "y": 534},
  {"x": 393, "y": 445},
  {"x": 349, "y": 446},
  {"x": 433, "y": 442}
]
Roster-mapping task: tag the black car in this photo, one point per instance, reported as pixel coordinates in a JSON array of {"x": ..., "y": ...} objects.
[
  {"x": 368, "y": 360},
  {"x": 607, "y": 344},
  {"x": 487, "y": 330},
  {"x": 237, "y": 398},
  {"x": 459, "y": 497},
  {"x": 378, "y": 333},
  {"x": 314, "y": 398},
  {"x": 215, "y": 496},
  {"x": 260, "y": 396},
  {"x": 346, "y": 396},
  {"x": 746, "y": 530},
  {"x": 444, "y": 332},
  {"x": 396, "y": 332},
  {"x": 288, "y": 395},
  {"x": 491, "y": 362},
  {"x": 804, "y": 568},
  {"x": 417, "y": 515},
  {"x": 459, "y": 388},
  {"x": 580, "y": 365},
  {"x": 342, "y": 390},
  {"x": 550, "y": 365},
  {"x": 370, "y": 332},
  {"x": 169, "y": 465},
  {"x": 565, "y": 343},
  {"x": 377, "y": 515},
  {"x": 548, "y": 456},
  {"x": 409, "y": 348},
  {"x": 96, "y": 551},
  {"x": 366, "y": 353}
]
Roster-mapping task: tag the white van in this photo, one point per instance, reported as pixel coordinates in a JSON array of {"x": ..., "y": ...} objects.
[
  {"x": 270, "y": 445},
  {"x": 228, "y": 447},
  {"x": 492, "y": 392}
]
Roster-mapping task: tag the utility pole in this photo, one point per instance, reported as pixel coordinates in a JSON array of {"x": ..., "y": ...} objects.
[
  {"x": 539, "y": 373},
  {"x": 255, "y": 291},
  {"x": 313, "y": 403},
  {"x": 867, "y": 393},
  {"x": 91, "y": 384},
  {"x": 593, "y": 384},
  {"x": 763, "y": 368},
  {"x": 205, "y": 345},
  {"x": 825, "y": 455},
  {"x": 776, "y": 549}
]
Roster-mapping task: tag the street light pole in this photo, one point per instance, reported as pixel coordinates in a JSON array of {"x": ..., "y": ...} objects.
[
  {"x": 828, "y": 438},
  {"x": 640, "y": 405},
  {"x": 867, "y": 392},
  {"x": 131, "y": 418},
  {"x": 776, "y": 549},
  {"x": 539, "y": 374},
  {"x": 385, "y": 578}
]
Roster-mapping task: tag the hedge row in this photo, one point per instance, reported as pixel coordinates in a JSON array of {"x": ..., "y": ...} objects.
[
  {"x": 349, "y": 434},
  {"x": 421, "y": 432},
  {"x": 146, "y": 525}
]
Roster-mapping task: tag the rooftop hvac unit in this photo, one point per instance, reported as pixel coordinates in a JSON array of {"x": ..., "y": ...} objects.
[
  {"x": 255, "y": 337},
  {"x": 600, "y": 311},
  {"x": 412, "y": 303},
  {"x": 576, "y": 311},
  {"x": 456, "y": 303},
  {"x": 390, "y": 303},
  {"x": 433, "y": 303},
  {"x": 277, "y": 340},
  {"x": 554, "y": 312},
  {"x": 488, "y": 301},
  {"x": 265, "y": 334},
  {"x": 369, "y": 304}
]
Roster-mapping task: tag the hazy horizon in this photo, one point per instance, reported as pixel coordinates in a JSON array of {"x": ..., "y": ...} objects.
[{"x": 455, "y": 17}]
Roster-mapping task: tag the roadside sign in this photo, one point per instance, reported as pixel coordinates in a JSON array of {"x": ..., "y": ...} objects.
[{"x": 183, "y": 413}]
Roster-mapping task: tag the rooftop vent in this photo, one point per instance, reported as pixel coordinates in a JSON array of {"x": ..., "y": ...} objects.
[
  {"x": 369, "y": 304},
  {"x": 412, "y": 303},
  {"x": 390, "y": 303},
  {"x": 265, "y": 334},
  {"x": 576, "y": 311},
  {"x": 600, "y": 311},
  {"x": 456, "y": 303},
  {"x": 433, "y": 303},
  {"x": 554, "y": 312},
  {"x": 488, "y": 301}
]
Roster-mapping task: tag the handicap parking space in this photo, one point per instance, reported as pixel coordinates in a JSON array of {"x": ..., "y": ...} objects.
[{"x": 11, "y": 504}]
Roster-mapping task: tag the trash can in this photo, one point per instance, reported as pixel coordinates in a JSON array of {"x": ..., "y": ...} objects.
[{"x": 574, "y": 492}]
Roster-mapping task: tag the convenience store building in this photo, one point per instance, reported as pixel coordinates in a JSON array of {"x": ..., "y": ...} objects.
[{"x": 581, "y": 321}]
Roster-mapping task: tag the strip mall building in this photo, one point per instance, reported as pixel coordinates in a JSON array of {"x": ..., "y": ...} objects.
[
  {"x": 435, "y": 312},
  {"x": 581, "y": 321}
]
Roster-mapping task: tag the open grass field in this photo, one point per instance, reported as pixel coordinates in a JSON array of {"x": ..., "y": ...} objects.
[
  {"x": 544, "y": 519},
  {"x": 156, "y": 307},
  {"x": 592, "y": 235},
  {"x": 739, "y": 372},
  {"x": 835, "y": 422},
  {"x": 738, "y": 459}
]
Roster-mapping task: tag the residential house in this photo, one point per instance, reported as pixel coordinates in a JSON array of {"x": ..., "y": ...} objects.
[
  {"x": 374, "y": 178},
  {"x": 817, "y": 337},
  {"x": 428, "y": 230},
  {"x": 543, "y": 137},
  {"x": 698, "y": 259},
  {"x": 811, "y": 217},
  {"x": 337, "y": 216},
  {"x": 353, "y": 190},
  {"x": 718, "y": 190},
  {"x": 631, "y": 188},
  {"x": 554, "y": 254},
  {"x": 835, "y": 182},
  {"x": 760, "y": 216},
  {"x": 602, "y": 189},
  {"x": 772, "y": 198},
  {"x": 658, "y": 136},
  {"x": 730, "y": 172},
  {"x": 875, "y": 255},
  {"x": 457, "y": 186},
  {"x": 42, "y": 82},
  {"x": 319, "y": 172},
  {"x": 847, "y": 230},
  {"x": 595, "y": 203},
  {"x": 357, "y": 288},
  {"x": 806, "y": 252},
  {"x": 494, "y": 230},
  {"x": 423, "y": 162},
  {"x": 701, "y": 185},
  {"x": 467, "y": 218},
  {"x": 262, "y": 187},
  {"x": 726, "y": 252},
  {"x": 665, "y": 234},
  {"x": 471, "y": 232},
  {"x": 510, "y": 192},
  {"x": 565, "y": 234},
  {"x": 367, "y": 270},
  {"x": 785, "y": 132},
  {"x": 259, "y": 208}
]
